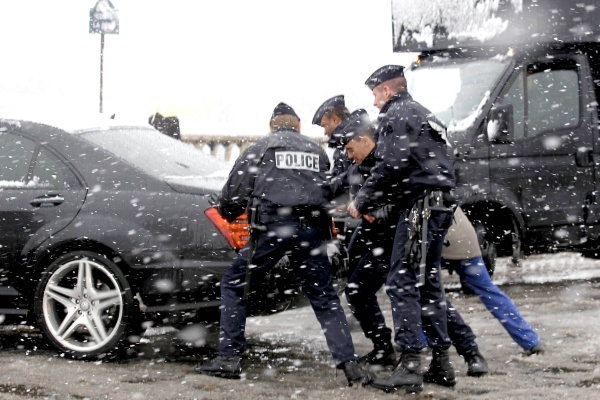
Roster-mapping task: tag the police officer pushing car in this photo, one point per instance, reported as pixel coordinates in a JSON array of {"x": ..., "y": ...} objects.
[
  {"x": 281, "y": 180},
  {"x": 414, "y": 172}
]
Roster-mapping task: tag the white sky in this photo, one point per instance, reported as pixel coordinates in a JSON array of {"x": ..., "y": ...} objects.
[{"x": 222, "y": 66}]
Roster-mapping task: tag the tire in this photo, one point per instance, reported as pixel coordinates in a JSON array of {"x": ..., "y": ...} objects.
[
  {"x": 83, "y": 305},
  {"x": 488, "y": 248}
]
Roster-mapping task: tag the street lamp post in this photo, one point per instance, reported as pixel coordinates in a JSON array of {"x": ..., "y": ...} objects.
[{"x": 103, "y": 20}]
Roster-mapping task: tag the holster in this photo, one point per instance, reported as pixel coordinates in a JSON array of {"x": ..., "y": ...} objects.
[
  {"x": 413, "y": 246},
  {"x": 415, "y": 249},
  {"x": 320, "y": 219}
]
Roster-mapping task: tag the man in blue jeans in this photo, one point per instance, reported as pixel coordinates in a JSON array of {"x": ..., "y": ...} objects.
[{"x": 463, "y": 255}]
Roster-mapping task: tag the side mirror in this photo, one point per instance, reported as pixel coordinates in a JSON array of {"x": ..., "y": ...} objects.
[{"x": 500, "y": 124}]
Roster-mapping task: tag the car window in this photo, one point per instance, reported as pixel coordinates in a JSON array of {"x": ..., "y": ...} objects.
[
  {"x": 15, "y": 159},
  {"x": 160, "y": 155},
  {"x": 515, "y": 96},
  {"x": 51, "y": 172},
  {"x": 553, "y": 100},
  {"x": 546, "y": 96}
]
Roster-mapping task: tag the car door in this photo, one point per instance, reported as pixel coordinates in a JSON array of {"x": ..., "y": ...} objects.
[
  {"x": 546, "y": 162},
  {"x": 39, "y": 195}
]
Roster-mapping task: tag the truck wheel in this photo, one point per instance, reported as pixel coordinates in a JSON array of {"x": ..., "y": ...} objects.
[
  {"x": 83, "y": 305},
  {"x": 488, "y": 247}
]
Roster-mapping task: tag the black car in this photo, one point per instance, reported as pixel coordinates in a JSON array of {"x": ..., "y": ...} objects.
[{"x": 105, "y": 227}]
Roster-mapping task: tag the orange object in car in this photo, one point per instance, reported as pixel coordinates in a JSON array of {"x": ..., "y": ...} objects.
[{"x": 236, "y": 232}]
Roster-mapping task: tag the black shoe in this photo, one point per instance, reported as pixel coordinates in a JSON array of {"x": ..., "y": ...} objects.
[
  {"x": 407, "y": 375},
  {"x": 222, "y": 367},
  {"x": 384, "y": 357},
  {"x": 356, "y": 374},
  {"x": 477, "y": 366},
  {"x": 538, "y": 349},
  {"x": 440, "y": 370}
]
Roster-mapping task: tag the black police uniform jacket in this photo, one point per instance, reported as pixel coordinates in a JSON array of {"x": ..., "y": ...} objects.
[
  {"x": 358, "y": 175},
  {"x": 341, "y": 164},
  {"x": 282, "y": 169},
  {"x": 412, "y": 157}
]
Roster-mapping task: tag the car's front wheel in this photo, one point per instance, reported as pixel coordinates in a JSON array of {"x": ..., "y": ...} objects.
[{"x": 83, "y": 305}]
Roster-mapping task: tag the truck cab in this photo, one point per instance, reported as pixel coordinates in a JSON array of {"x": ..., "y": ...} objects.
[{"x": 523, "y": 126}]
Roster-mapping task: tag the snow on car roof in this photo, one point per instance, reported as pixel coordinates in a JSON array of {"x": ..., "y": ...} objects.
[{"x": 75, "y": 121}]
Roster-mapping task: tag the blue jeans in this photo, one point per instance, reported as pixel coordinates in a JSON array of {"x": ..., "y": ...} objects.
[
  {"x": 474, "y": 275},
  {"x": 308, "y": 256}
]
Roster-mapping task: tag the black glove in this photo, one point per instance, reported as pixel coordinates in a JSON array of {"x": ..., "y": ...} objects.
[{"x": 383, "y": 213}]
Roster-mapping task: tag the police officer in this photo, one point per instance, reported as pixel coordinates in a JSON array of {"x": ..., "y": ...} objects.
[
  {"x": 282, "y": 181},
  {"x": 414, "y": 172},
  {"x": 329, "y": 116},
  {"x": 369, "y": 255}
]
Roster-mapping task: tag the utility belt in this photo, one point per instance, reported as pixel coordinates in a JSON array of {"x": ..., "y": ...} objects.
[
  {"x": 415, "y": 249},
  {"x": 261, "y": 214}
]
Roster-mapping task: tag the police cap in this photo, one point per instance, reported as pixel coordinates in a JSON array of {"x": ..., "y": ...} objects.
[
  {"x": 328, "y": 105},
  {"x": 282, "y": 109},
  {"x": 383, "y": 74},
  {"x": 356, "y": 123}
]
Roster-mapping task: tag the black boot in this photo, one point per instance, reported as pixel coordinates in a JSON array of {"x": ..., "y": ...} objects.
[
  {"x": 406, "y": 376},
  {"x": 380, "y": 355},
  {"x": 356, "y": 374},
  {"x": 440, "y": 370},
  {"x": 477, "y": 366},
  {"x": 222, "y": 367},
  {"x": 538, "y": 349}
]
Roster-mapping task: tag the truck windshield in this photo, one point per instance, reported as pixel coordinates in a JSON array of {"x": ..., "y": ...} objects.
[{"x": 454, "y": 89}]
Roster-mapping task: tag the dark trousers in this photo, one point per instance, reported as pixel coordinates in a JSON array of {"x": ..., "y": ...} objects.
[
  {"x": 369, "y": 253},
  {"x": 411, "y": 303},
  {"x": 308, "y": 254}
]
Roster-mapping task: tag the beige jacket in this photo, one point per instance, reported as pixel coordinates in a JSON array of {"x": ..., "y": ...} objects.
[{"x": 462, "y": 239}]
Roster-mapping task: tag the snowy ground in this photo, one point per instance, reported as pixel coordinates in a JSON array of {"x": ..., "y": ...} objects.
[
  {"x": 536, "y": 269},
  {"x": 559, "y": 295}
]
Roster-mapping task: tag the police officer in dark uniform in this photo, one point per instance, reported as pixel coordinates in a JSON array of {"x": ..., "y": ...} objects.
[
  {"x": 281, "y": 180},
  {"x": 369, "y": 256},
  {"x": 414, "y": 172},
  {"x": 370, "y": 250},
  {"x": 329, "y": 116}
]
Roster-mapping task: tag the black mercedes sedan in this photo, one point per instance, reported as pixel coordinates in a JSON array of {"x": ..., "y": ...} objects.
[{"x": 105, "y": 227}]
